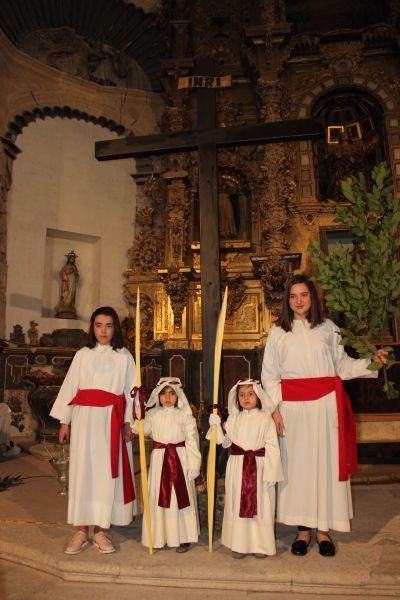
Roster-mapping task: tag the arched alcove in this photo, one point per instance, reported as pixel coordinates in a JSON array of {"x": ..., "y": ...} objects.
[
  {"x": 355, "y": 137},
  {"x": 62, "y": 199}
]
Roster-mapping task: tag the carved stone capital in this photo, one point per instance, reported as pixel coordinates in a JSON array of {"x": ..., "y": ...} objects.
[
  {"x": 236, "y": 292},
  {"x": 274, "y": 271}
]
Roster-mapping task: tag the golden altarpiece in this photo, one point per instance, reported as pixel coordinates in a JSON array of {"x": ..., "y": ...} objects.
[
  {"x": 287, "y": 59},
  {"x": 274, "y": 199}
]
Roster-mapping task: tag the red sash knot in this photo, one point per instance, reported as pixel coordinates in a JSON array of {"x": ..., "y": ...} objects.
[
  {"x": 314, "y": 388},
  {"x": 172, "y": 475},
  {"x": 248, "y": 494},
  {"x": 102, "y": 398}
]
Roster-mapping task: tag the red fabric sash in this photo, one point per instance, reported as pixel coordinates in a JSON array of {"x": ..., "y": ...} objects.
[
  {"x": 314, "y": 388},
  {"x": 172, "y": 475},
  {"x": 248, "y": 494},
  {"x": 101, "y": 398}
]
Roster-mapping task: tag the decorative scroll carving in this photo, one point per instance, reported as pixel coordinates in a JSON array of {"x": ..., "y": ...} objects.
[
  {"x": 176, "y": 285},
  {"x": 274, "y": 272},
  {"x": 178, "y": 213},
  {"x": 343, "y": 57},
  {"x": 62, "y": 48},
  {"x": 278, "y": 177},
  {"x": 146, "y": 252},
  {"x": 305, "y": 44},
  {"x": 236, "y": 292},
  {"x": 147, "y": 341}
]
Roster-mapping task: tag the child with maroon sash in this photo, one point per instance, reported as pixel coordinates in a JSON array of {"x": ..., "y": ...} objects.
[
  {"x": 254, "y": 466},
  {"x": 302, "y": 372},
  {"x": 174, "y": 465},
  {"x": 95, "y": 402}
]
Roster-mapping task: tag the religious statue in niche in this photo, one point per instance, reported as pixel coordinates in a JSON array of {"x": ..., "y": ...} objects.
[
  {"x": 69, "y": 278},
  {"x": 233, "y": 207},
  {"x": 228, "y": 229},
  {"x": 33, "y": 333}
]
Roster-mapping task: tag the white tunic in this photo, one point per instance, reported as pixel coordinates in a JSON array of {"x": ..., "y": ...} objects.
[
  {"x": 311, "y": 494},
  {"x": 251, "y": 430},
  {"x": 95, "y": 498},
  {"x": 172, "y": 526}
]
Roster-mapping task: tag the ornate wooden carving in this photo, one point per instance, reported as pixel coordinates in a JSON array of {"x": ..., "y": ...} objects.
[{"x": 176, "y": 286}]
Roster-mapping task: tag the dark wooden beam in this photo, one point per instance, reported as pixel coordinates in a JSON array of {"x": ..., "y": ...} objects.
[
  {"x": 209, "y": 230},
  {"x": 259, "y": 133}
]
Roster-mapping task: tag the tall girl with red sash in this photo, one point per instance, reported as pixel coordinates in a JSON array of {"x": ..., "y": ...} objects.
[
  {"x": 254, "y": 466},
  {"x": 174, "y": 465},
  {"x": 302, "y": 372},
  {"x": 94, "y": 402}
]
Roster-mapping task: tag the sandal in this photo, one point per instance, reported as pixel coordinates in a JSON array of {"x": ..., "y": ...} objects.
[
  {"x": 77, "y": 542},
  {"x": 103, "y": 541}
]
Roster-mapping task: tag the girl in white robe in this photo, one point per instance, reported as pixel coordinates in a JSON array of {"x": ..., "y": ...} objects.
[
  {"x": 103, "y": 369},
  {"x": 169, "y": 421},
  {"x": 248, "y": 522},
  {"x": 307, "y": 346}
]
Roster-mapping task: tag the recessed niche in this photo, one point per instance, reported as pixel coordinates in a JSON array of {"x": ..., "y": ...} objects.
[{"x": 87, "y": 248}]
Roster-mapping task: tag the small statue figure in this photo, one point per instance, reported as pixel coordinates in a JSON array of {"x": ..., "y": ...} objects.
[
  {"x": 17, "y": 335},
  {"x": 33, "y": 333},
  {"x": 227, "y": 224},
  {"x": 69, "y": 276}
]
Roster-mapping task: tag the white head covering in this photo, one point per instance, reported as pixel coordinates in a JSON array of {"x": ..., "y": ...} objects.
[
  {"x": 176, "y": 385},
  {"x": 232, "y": 404}
]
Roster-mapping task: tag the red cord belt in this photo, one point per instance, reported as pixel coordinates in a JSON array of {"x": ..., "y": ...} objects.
[
  {"x": 314, "y": 388},
  {"x": 248, "y": 494},
  {"x": 102, "y": 398},
  {"x": 172, "y": 475}
]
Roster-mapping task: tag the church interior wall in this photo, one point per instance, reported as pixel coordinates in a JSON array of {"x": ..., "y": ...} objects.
[{"x": 62, "y": 199}]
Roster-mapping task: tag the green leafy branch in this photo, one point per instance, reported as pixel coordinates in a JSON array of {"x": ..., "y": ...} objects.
[
  {"x": 363, "y": 281},
  {"x": 9, "y": 481}
]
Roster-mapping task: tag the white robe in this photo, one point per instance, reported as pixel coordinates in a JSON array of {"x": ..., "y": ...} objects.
[
  {"x": 95, "y": 498},
  {"x": 311, "y": 494},
  {"x": 172, "y": 526},
  {"x": 251, "y": 430}
]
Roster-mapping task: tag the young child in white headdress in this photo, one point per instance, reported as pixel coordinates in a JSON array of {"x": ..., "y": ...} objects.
[
  {"x": 254, "y": 466},
  {"x": 174, "y": 465}
]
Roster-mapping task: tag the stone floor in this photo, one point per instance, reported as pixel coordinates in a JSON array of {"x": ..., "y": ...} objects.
[{"x": 32, "y": 565}]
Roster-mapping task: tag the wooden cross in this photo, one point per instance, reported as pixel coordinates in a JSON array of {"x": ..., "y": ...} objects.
[{"x": 206, "y": 139}]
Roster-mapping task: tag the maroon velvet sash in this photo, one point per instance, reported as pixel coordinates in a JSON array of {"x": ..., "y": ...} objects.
[
  {"x": 102, "y": 398},
  {"x": 172, "y": 475},
  {"x": 248, "y": 495}
]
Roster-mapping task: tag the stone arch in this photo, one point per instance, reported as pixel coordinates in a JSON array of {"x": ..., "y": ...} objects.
[
  {"x": 365, "y": 84},
  {"x": 15, "y": 127},
  {"x": 328, "y": 84}
]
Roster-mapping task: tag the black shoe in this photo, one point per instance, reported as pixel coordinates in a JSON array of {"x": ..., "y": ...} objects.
[
  {"x": 300, "y": 547},
  {"x": 326, "y": 547},
  {"x": 238, "y": 555},
  {"x": 183, "y": 548}
]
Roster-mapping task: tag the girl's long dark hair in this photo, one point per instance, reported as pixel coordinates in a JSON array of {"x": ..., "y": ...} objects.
[
  {"x": 315, "y": 315},
  {"x": 117, "y": 340}
]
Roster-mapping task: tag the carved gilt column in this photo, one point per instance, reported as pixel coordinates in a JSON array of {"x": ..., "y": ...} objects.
[{"x": 276, "y": 198}]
